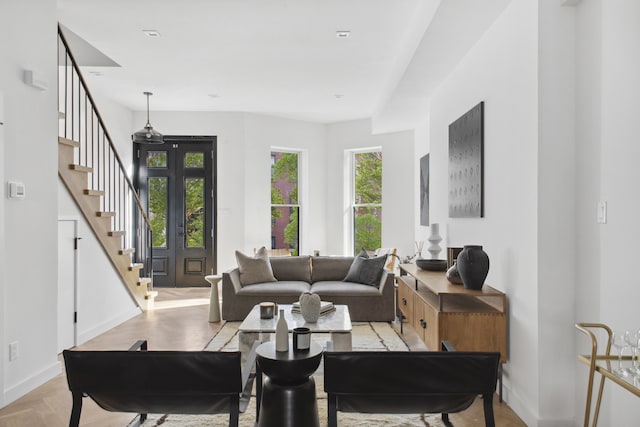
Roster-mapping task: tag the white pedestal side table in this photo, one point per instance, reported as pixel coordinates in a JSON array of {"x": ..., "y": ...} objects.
[{"x": 214, "y": 304}]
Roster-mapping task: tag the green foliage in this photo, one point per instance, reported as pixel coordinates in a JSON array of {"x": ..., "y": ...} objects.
[
  {"x": 158, "y": 211},
  {"x": 368, "y": 190},
  {"x": 291, "y": 232},
  {"x": 157, "y": 159},
  {"x": 194, "y": 160},
  {"x": 368, "y": 179},
  {"x": 368, "y": 232},
  {"x": 285, "y": 170},
  {"x": 194, "y": 212},
  {"x": 284, "y": 191}
]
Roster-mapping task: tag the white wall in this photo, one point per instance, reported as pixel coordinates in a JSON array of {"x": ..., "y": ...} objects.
[
  {"x": 501, "y": 70},
  {"x": 560, "y": 89},
  {"x": 397, "y": 188},
  {"x": 619, "y": 151},
  {"x": 103, "y": 301},
  {"x": 3, "y": 267},
  {"x": 263, "y": 133},
  {"x": 30, "y": 237},
  {"x": 556, "y": 213}
]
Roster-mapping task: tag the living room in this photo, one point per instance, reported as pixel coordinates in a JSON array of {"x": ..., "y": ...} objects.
[{"x": 558, "y": 82}]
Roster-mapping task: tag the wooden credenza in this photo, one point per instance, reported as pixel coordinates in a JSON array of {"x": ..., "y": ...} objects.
[{"x": 438, "y": 311}]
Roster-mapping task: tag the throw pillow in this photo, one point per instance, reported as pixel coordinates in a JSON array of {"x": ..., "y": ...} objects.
[
  {"x": 367, "y": 271},
  {"x": 255, "y": 269},
  {"x": 363, "y": 253}
]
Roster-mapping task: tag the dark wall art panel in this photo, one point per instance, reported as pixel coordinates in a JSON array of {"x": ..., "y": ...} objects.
[
  {"x": 424, "y": 190},
  {"x": 466, "y": 163}
]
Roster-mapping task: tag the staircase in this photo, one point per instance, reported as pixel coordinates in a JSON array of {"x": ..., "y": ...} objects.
[{"x": 91, "y": 169}]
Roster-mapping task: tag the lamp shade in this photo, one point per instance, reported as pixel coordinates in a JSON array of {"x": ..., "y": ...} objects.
[{"x": 147, "y": 135}]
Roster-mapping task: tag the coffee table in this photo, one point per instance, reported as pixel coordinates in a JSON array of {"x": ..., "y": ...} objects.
[{"x": 336, "y": 323}]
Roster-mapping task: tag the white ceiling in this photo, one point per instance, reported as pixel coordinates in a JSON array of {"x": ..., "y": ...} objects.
[{"x": 279, "y": 57}]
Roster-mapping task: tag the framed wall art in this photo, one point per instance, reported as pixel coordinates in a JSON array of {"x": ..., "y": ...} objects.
[{"x": 466, "y": 164}]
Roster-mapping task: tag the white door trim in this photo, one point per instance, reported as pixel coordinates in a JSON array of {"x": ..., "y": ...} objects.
[{"x": 70, "y": 306}]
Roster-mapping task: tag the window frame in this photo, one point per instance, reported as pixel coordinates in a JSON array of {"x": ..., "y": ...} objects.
[
  {"x": 298, "y": 205},
  {"x": 353, "y": 206}
]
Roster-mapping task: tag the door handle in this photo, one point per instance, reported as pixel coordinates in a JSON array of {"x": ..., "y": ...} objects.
[{"x": 423, "y": 324}]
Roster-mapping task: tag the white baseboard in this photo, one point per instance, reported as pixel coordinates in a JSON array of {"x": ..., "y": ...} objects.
[
  {"x": 527, "y": 415},
  {"x": 84, "y": 336},
  {"x": 16, "y": 391}
]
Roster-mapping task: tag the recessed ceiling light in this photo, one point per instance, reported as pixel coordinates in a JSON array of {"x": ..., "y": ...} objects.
[
  {"x": 151, "y": 33},
  {"x": 343, "y": 34},
  {"x": 338, "y": 95}
]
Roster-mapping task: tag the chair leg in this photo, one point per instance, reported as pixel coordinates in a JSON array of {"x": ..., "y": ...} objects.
[
  {"x": 76, "y": 409},
  {"x": 332, "y": 411},
  {"x": 445, "y": 420},
  {"x": 487, "y": 401},
  {"x": 258, "y": 391},
  {"x": 143, "y": 417},
  {"x": 234, "y": 411}
]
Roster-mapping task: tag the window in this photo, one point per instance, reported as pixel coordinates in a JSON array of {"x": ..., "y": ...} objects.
[
  {"x": 367, "y": 200},
  {"x": 285, "y": 204}
]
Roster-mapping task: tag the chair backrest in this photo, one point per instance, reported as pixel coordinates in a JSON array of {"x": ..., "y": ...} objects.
[
  {"x": 181, "y": 382},
  {"x": 391, "y": 257},
  {"x": 409, "y": 382}
]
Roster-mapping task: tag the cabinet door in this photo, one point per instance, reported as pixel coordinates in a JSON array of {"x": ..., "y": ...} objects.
[
  {"x": 426, "y": 323},
  {"x": 405, "y": 300}
]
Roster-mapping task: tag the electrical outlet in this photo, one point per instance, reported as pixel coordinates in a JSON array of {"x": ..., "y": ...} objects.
[{"x": 13, "y": 351}]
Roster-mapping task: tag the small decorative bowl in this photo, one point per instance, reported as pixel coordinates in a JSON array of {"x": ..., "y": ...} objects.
[{"x": 432, "y": 264}]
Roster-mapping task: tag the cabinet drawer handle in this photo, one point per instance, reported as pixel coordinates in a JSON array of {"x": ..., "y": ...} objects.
[
  {"x": 404, "y": 301},
  {"x": 423, "y": 324}
]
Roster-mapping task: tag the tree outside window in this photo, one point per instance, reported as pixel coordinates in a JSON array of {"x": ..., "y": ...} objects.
[
  {"x": 367, "y": 201},
  {"x": 285, "y": 205}
]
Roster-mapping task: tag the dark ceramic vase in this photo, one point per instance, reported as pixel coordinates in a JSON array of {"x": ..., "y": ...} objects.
[
  {"x": 473, "y": 266},
  {"x": 453, "y": 275}
]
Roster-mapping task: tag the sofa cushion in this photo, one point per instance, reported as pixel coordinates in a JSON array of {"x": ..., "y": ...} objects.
[
  {"x": 254, "y": 269},
  {"x": 292, "y": 288},
  {"x": 332, "y": 287},
  {"x": 292, "y": 268},
  {"x": 329, "y": 267},
  {"x": 366, "y": 270}
]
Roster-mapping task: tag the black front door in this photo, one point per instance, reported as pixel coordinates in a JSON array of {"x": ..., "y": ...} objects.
[{"x": 176, "y": 182}]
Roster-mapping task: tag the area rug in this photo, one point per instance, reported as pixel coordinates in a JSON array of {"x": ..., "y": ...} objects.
[{"x": 379, "y": 336}]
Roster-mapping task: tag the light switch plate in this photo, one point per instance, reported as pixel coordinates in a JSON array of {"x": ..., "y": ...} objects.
[
  {"x": 602, "y": 213},
  {"x": 16, "y": 190}
]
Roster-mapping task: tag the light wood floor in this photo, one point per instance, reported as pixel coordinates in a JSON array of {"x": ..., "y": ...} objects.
[{"x": 180, "y": 322}]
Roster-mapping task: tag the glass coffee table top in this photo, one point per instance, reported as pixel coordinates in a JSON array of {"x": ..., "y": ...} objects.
[{"x": 335, "y": 321}]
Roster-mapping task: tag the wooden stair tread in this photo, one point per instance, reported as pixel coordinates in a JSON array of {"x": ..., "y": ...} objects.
[
  {"x": 151, "y": 294},
  {"x": 75, "y": 177},
  {"x": 79, "y": 168},
  {"x": 69, "y": 142}
]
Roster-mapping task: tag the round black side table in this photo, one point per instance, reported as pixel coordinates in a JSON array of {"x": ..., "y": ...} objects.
[{"x": 289, "y": 391}]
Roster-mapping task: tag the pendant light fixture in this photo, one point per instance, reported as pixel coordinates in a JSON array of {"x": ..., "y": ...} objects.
[{"x": 147, "y": 135}]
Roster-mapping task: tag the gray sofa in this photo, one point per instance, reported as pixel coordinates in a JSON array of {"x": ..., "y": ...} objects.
[{"x": 321, "y": 275}]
